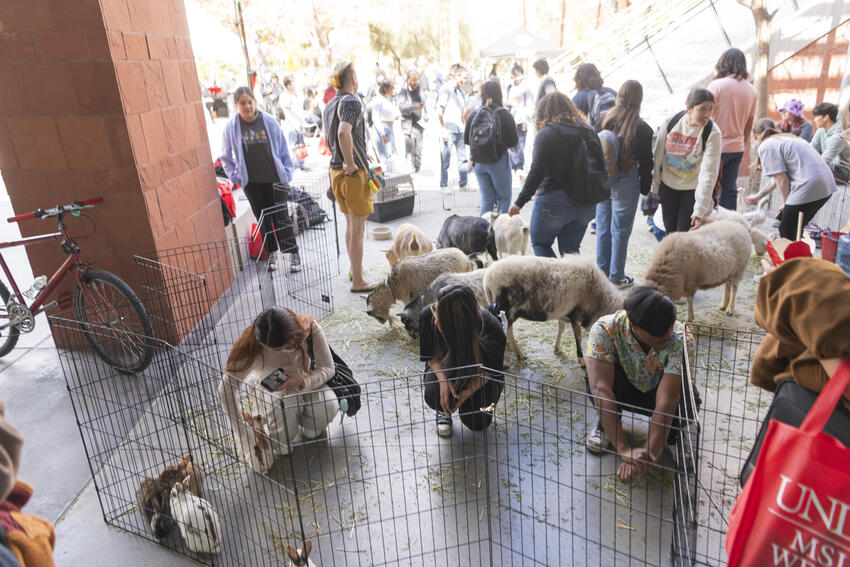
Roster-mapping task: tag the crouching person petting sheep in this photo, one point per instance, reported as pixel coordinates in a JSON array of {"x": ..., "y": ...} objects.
[
  {"x": 271, "y": 360},
  {"x": 456, "y": 332},
  {"x": 635, "y": 357}
]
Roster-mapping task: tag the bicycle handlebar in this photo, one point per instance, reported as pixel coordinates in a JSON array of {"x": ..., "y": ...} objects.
[{"x": 56, "y": 211}]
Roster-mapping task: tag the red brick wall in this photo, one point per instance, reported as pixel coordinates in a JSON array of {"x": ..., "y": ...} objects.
[{"x": 101, "y": 98}]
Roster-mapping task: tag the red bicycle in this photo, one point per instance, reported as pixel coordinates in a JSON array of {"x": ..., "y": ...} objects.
[{"x": 112, "y": 318}]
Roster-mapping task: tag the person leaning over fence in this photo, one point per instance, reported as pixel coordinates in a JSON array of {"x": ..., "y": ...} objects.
[
  {"x": 345, "y": 133},
  {"x": 828, "y": 142},
  {"x": 278, "y": 340},
  {"x": 688, "y": 147},
  {"x": 636, "y": 357},
  {"x": 804, "y": 180},
  {"x": 456, "y": 332},
  {"x": 803, "y": 305},
  {"x": 254, "y": 155}
]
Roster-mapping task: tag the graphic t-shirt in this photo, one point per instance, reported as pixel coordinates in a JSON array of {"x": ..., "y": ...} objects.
[
  {"x": 611, "y": 340},
  {"x": 683, "y": 154},
  {"x": 257, "y": 150}
]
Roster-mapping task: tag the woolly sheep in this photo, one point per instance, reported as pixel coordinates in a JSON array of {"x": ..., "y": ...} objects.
[
  {"x": 570, "y": 289},
  {"x": 474, "y": 280},
  {"x": 757, "y": 237},
  {"x": 684, "y": 262},
  {"x": 409, "y": 241},
  {"x": 411, "y": 277},
  {"x": 511, "y": 233}
]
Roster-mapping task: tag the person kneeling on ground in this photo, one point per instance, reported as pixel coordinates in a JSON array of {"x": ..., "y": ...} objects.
[
  {"x": 279, "y": 339},
  {"x": 456, "y": 332},
  {"x": 635, "y": 357}
]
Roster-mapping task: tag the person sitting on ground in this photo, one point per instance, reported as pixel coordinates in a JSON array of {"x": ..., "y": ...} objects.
[
  {"x": 793, "y": 121},
  {"x": 636, "y": 356},
  {"x": 803, "y": 306},
  {"x": 828, "y": 142},
  {"x": 456, "y": 332},
  {"x": 804, "y": 180},
  {"x": 278, "y": 339}
]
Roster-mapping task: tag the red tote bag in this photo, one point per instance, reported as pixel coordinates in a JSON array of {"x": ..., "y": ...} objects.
[{"x": 795, "y": 508}]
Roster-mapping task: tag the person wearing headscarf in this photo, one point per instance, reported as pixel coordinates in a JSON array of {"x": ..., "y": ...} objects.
[{"x": 803, "y": 305}]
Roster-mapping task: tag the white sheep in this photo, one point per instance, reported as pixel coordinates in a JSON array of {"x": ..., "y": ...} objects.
[
  {"x": 511, "y": 233},
  {"x": 757, "y": 237},
  {"x": 409, "y": 241},
  {"x": 412, "y": 276},
  {"x": 684, "y": 262},
  {"x": 570, "y": 289}
]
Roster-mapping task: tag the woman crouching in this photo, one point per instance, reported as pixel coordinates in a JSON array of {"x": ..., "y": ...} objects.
[
  {"x": 273, "y": 360},
  {"x": 457, "y": 333}
]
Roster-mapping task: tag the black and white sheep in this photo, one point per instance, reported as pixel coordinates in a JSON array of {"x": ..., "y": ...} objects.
[
  {"x": 410, "y": 315},
  {"x": 472, "y": 235},
  {"x": 510, "y": 232},
  {"x": 715, "y": 254},
  {"x": 412, "y": 276},
  {"x": 570, "y": 289}
]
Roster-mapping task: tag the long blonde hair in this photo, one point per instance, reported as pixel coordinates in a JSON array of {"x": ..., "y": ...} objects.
[{"x": 274, "y": 327}]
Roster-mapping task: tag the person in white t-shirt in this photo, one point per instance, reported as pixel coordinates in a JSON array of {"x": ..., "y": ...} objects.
[
  {"x": 522, "y": 105},
  {"x": 384, "y": 115},
  {"x": 687, "y": 162},
  {"x": 293, "y": 116}
]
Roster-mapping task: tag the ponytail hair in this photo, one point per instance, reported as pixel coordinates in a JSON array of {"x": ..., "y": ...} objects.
[{"x": 625, "y": 117}]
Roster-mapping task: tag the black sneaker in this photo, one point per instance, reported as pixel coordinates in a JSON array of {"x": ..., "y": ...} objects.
[
  {"x": 295, "y": 263},
  {"x": 444, "y": 424}
]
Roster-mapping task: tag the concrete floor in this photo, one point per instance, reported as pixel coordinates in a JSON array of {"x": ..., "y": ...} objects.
[{"x": 54, "y": 461}]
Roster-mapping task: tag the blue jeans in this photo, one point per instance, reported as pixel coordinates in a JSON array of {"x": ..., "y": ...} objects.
[
  {"x": 517, "y": 153},
  {"x": 731, "y": 162},
  {"x": 494, "y": 182},
  {"x": 291, "y": 140},
  {"x": 614, "y": 220},
  {"x": 555, "y": 216},
  {"x": 456, "y": 140},
  {"x": 385, "y": 150}
]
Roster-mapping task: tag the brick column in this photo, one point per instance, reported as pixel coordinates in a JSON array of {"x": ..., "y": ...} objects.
[{"x": 101, "y": 98}]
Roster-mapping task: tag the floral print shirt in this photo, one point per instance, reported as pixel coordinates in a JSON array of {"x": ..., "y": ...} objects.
[{"x": 611, "y": 340}]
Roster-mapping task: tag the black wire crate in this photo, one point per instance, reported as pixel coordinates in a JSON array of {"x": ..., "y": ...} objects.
[
  {"x": 382, "y": 488},
  {"x": 206, "y": 294}
]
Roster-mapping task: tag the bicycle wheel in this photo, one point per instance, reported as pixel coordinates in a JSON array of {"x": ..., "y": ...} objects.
[
  {"x": 9, "y": 335},
  {"x": 114, "y": 321}
]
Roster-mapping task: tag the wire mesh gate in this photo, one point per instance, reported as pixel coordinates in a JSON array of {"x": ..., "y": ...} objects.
[{"x": 383, "y": 489}]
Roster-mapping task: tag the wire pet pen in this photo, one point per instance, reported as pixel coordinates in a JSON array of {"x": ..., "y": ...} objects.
[{"x": 383, "y": 489}]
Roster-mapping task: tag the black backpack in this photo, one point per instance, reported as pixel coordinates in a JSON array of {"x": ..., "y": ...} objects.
[
  {"x": 485, "y": 135},
  {"x": 309, "y": 212},
  {"x": 343, "y": 384},
  {"x": 589, "y": 183},
  {"x": 599, "y": 107}
]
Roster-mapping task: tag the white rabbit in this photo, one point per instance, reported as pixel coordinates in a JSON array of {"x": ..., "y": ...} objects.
[
  {"x": 259, "y": 452},
  {"x": 300, "y": 557},
  {"x": 199, "y": 524}
]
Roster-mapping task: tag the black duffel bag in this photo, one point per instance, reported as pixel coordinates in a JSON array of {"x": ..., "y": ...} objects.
[{"x": 791, "y": 403}]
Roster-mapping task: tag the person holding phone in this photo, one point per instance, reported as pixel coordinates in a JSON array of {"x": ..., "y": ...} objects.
[
  {"x": 457, "y": 332},
  {"x": 271, "y": 361}
]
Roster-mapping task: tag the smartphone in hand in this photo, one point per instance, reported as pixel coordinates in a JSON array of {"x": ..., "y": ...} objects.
[{"x": 274, "y": 380}]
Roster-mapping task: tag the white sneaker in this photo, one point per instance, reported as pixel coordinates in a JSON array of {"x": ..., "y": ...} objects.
[
  {"x": 444, "y": 424},
  {"x": 597, "y": 440},
  {"x": 274, "y": 260},
  {"x": 311, "y": 434}
]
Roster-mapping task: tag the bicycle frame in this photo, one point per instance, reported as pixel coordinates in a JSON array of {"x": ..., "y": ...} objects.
[{"x": 73, "y": 260}]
